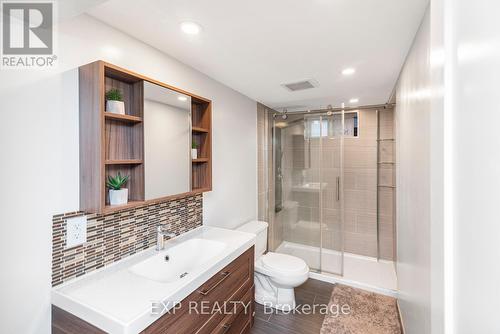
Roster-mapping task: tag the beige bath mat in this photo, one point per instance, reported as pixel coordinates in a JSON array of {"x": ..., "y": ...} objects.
[{"x": 366, "y": 313}]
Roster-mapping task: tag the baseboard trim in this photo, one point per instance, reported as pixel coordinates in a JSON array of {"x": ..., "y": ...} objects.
[
  {"x": 400, "y": 317},
  {"x": 354, "y": 284}
]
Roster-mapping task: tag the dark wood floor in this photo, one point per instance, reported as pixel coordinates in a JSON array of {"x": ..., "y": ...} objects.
[{"x": 313, "y": 292}]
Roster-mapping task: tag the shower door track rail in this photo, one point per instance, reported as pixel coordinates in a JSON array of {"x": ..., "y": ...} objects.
[{"x": 337, "y": 109}]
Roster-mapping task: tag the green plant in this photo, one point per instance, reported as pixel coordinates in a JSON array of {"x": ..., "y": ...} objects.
[
  {"x": 194, "y": 146},
  {"x": 114, "y": 95},
  {"x": 116, "y": 182}
]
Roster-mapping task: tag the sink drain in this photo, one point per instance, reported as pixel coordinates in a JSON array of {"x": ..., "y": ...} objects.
[{"x": 182, "y": 275}]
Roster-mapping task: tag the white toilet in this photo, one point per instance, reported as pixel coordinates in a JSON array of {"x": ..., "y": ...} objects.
[{"x": 276, "y": 275}]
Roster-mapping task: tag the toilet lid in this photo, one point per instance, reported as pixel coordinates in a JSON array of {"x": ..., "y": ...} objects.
[{"x": 284, "y": 263}]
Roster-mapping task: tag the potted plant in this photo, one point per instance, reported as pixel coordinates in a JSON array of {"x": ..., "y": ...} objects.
[
  {"x": 194, "y": 151},
  {"x": 117, "y": 194},
  {"x": 114, "y": 102}
]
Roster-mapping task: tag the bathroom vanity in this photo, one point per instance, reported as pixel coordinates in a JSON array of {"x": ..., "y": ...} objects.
[
  {"x": 202, "y": 282},
  {"x": 157, "y": 138}
]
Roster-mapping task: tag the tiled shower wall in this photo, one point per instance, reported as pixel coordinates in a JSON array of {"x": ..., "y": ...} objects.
[
  {"x": 361, "y": 189},
  {"x": 115, "y": 236}
]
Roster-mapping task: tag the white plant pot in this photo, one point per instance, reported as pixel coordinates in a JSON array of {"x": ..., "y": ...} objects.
[
  {"x": 194, "y": 153},
  {"x": 118, "y": 197},
  {"x": 115, "y": 107}
]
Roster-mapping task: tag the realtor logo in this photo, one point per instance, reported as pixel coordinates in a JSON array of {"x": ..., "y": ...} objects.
[{"x": 27, "y": 34}]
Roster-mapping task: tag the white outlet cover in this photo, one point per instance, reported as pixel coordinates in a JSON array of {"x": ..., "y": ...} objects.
[{"x": 76, "y": 231}]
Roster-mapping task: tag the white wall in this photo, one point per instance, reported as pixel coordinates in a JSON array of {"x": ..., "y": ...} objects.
[
  {"x": 419, "y": 170},
  {"x": 39, "y": 150},
  {"x": 475, "y": 114},
  {"x": 413, "y": 185},
  {"x": 461, "y": 271}
]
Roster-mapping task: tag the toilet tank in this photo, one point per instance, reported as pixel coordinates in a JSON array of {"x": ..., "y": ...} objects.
[{"x": 259, "y": 228}]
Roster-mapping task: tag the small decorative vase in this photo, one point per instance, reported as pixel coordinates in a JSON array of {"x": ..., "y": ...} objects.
[
  {"x": 118, "y": 197},
  {"x": 115, "y": 107},
  {"x": 194, "y": 153}
]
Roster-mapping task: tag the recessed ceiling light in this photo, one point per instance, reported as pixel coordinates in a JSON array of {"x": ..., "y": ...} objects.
[
  {"x": 190, "y": 28},
  {"x": 182, "y": 98},
  {"x": 348, "y": 71},
  {"x": 353, "y": 100},
  {"x": 280, "y": 124}
]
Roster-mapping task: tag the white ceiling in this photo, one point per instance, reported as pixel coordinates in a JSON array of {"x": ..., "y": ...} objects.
[{"x": 255, "y": 46}]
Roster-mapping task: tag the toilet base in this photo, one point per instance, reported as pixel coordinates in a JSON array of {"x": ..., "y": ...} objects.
[
  {"x": 283, "y": 300},
  {"x": 270, "y": 294}
]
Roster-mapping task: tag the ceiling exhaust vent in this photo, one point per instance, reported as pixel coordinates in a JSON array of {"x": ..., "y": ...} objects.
[{"x": 301, "y": 85}]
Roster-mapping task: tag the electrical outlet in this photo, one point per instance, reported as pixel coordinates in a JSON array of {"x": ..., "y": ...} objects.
[{"x": 76, "y": 231}]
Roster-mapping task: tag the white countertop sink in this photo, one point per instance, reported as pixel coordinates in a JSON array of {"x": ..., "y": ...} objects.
[
  {"x": 179, "y": 260},
  {"x": 118, "y": 298}
]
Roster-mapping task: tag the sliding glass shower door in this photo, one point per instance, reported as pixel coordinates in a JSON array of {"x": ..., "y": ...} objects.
[
  {"x": 331, "y": 174},
  {"x": 307, "y": 160},
  {"x": 297, "y": 214}
]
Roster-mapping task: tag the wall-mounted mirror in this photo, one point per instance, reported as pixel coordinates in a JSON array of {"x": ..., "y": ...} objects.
[{"x": 167, "y": 140}]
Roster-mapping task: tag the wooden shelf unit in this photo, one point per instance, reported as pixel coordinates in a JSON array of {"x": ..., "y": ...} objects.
[
  {"x": 201, "y": 117},
  {"x": 124, "y": 162},
  {"x": 200, "y": 160},
  {"x": 195, "y": 129},
  {"x": 123, "y": 118},
  {"x": 112, "y": 143}
]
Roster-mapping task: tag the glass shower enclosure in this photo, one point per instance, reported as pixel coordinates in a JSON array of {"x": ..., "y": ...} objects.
[{"x": 308, "y": 203}]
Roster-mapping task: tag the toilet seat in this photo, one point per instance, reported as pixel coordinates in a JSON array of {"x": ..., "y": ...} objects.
[{"x": 285, "y": 264}]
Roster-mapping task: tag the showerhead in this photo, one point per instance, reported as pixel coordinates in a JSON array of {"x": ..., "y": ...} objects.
[
  {"x": 330, "y": 110},
  {"x": 284, "y": 115}
]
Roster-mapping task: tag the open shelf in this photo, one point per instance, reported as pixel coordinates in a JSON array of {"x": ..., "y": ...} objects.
[
  {"x": 200, "y": 160},
  {"x": 201, "y": 190},
  {"x": 124, "y": 162},
  {"x": 135, "y": 184},
  {"x": 123, "y": 140},
  {"x": 124, "y": 136},
  {"x": 201, "y": 176},
  {"x": 123, "y": 118},
  {"x": 201, "y": 116},
  {"x": 130, "y": 204},
  {"x": 196, "y": 129}
]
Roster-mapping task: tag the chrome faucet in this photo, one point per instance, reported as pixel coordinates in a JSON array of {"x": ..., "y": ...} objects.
[{"x": 161, "y": 233}]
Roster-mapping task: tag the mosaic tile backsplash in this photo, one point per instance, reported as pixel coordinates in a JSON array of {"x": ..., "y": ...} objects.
[{"x": 115, "y": 236}]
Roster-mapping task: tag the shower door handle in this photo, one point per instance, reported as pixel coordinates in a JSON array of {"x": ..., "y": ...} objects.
[{"x": 338, "y": 188}]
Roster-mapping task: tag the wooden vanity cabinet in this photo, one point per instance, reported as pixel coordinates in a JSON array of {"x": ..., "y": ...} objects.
[
  {"x": 239, "y": 322},
  {"x": 228, "y": 296}
]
